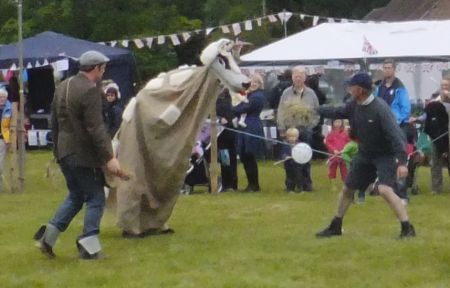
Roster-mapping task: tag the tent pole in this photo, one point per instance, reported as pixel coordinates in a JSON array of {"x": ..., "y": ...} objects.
[{"x": 20, "y": 122}]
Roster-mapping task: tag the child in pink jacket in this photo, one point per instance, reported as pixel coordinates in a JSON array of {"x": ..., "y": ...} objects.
[{"x": 335, "y": 142}]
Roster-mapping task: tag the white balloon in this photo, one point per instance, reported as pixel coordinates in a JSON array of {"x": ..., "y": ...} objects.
[{"x": 301, "y": 153}]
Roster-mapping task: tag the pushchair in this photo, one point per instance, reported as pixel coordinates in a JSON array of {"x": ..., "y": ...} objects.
[{"x": 199, "y": 162}]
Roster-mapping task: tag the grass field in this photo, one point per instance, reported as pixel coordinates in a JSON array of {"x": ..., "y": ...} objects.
[{"x": 233, "y": 240}]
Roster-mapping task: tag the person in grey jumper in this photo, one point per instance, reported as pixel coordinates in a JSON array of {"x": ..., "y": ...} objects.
[
  {"x": 382, "y": 153},
  {"x": 300, "y": 95}
]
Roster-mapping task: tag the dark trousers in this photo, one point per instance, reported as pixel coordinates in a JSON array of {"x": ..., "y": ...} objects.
[
  {"x": 227, "y": 141},
  {"x": 294, "y": 175},
  {"x": 251, "y": 170}
]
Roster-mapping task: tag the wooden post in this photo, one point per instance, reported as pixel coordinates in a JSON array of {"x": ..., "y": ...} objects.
[
  {"x": 21, "y": 119},
  {"x": 13, "y": 167},
  {"x": 214, "y": 167}
]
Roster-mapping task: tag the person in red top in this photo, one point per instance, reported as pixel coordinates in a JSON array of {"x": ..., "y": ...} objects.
[{"x": 335, "y": 142}]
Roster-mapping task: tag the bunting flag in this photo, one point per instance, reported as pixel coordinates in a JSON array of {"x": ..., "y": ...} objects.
[
  {"x": 186, "y": 36},
  {"x": 225, "y": 29},
  {"x": 174, "y": 39},
  {"x": 315, "y": 20},
  {"x": 161, "y": 39},
  {"x": 149, "y": 42},
  {"x": 235, "y": 28},
  {"x": 139, "y": 44},
  {"x": 248, "y": 25},
  {"x": 272, "y": 18},
  {"x": 368, "y": 47},
  {"x": 259, "y": 21}
]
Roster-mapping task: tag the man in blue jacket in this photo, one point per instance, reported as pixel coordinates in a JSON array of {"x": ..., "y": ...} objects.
[{"x": 394, "y": 93}]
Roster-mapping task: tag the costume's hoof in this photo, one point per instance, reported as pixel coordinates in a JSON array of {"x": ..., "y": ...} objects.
[
  {"x": 157, "y": 231},
  {"x": 130, "y": 235}
]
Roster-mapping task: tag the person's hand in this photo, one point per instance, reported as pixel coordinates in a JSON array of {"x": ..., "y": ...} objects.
[
  {"x": 223, "y": 121},
  {"x": 412, "y": 119},
  {"x": 402, "y": 171},
  {"x": 113, "y": 167},
  {"x": 336, "y": 152}
]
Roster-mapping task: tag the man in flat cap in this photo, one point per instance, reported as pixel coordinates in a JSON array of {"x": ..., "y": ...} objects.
[
  {"x": 82, "y": 147},
  {"x": 382, "y": 152}
]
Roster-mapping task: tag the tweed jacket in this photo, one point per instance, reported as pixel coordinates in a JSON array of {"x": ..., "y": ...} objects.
[{"x": 77, "y": 123}]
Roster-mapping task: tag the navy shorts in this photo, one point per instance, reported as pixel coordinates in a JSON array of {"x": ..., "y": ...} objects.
[{"x": 365, "y": 170}]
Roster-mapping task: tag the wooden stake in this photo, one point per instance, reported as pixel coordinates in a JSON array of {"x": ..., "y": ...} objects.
[
  {"x": 214, "y": 167},
  {"x": 13, "y": 167}
]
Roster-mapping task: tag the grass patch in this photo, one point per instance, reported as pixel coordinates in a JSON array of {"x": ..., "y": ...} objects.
[{"x": 233, "y": 240}]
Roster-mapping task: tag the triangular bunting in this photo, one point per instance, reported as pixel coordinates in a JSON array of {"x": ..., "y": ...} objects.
[
  {"x": 125, "y": 43},
  {"x": 29, "y": 66},
  {"x": 161, "y": 39},
  {"x": 236, "y": 29},
  {"x": 174, "y": 39},
  {"x": 139, "y": 44},
  {"x": 315, "y": 20},
  {"x": 259, "y": 21},
  {"x": 186, "y": 36},
  {"x": 302, "y": 17},
  {"x": 225, "y": 29},
  {"x": 113, "y": 43},
  {"x": 209, "y": 30},
  {"x": 45, "y": 63},
  {"x": 14, "y": 67},
  {"x": 149, "y": 42},
  {"x": 284, "y": 16},
  {"x": 248, "y": 25},
  {"x": 272, "y": 18}
]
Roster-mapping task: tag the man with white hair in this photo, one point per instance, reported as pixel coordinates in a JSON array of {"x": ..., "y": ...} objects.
[
  {"x": 5, "y": 113},
  {"x": 298, "y": 95}
]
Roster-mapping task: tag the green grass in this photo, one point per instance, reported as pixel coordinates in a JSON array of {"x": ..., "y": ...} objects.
[{"x": 233, "y": 240}]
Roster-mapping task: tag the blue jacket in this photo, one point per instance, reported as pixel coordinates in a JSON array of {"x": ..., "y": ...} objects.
[
  {"x": 400, "y": 105},
  {"x": 245, "y": 143},
  {"x": 6, "y": 121}
]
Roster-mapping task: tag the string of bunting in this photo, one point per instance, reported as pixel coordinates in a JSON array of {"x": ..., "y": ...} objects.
[{"x": 234, "y": 28}]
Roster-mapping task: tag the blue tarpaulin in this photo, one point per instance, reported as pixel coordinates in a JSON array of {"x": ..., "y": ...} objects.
[{"x": 50, "y": 46}]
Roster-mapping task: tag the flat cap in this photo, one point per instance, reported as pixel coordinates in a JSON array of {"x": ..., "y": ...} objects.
[{"x": 92, "y": 57}]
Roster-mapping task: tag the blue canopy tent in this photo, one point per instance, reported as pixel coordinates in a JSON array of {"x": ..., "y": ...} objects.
[{"x": 48, "y": 47}]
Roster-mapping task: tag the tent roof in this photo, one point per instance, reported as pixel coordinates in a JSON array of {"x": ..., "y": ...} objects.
[
  {"x": 344, "y": 41},
  {"x": 53, "y": 46}
]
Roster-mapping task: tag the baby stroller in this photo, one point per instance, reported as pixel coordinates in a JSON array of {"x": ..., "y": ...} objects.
[{"x": 199, "y": 162}]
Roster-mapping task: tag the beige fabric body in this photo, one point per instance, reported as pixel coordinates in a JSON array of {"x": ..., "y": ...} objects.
[{"x": 155, "y": 154}]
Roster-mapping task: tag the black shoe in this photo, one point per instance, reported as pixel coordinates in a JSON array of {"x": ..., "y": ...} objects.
[
  {"x": 329, "y": 232},
  {"x": 408, "y": 233},
  {"x": 46, "y": 249},
  {"x": 252, "y": 189}
]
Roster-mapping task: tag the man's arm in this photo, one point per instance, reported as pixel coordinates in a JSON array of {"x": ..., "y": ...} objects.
[
  {"x": 336, "y": 112},
  {"x": 404, "y": 105},
  {"x": 393, "y": 133}
]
